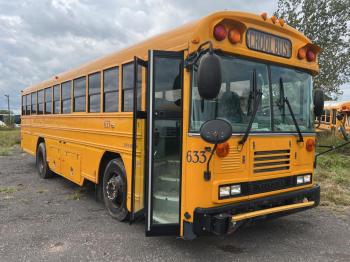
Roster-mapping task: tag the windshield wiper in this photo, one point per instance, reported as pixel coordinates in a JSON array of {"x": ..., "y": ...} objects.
[
  {"x": 285, "y": 100},
  {"x": 256, "y": 94}
]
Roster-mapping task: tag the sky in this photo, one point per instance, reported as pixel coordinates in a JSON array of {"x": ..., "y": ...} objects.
[{"x": 41, "y": 38}]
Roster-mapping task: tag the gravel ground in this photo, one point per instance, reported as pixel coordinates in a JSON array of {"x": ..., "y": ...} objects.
[{"x": 55, "y": 220}]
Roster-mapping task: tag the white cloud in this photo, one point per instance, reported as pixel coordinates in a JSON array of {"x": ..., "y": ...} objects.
[{"x": 40, "y": 38}]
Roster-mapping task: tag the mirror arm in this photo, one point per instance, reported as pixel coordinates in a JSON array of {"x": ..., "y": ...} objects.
[
  {"x": 207, "y": 173},
  {"x": 193, "y": 58},
  {"x": 331, "y": 148}
]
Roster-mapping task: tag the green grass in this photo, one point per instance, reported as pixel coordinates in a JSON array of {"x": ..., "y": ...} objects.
[
  {"x": 8, "y": 139},
  {"x": 333, "y": 173},
  {"x": 7, "y": 190}
]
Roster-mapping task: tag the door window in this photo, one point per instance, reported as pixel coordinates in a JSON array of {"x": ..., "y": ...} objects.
[{"x": 167, "y": 140}]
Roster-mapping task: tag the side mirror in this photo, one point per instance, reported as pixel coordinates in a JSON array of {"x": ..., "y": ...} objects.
[
  {"x": 209, "y": 76},
  {"x": 340, "y": 117},
  {"x": 216, "y": 131},
  {"x": 318, "y": 102}
]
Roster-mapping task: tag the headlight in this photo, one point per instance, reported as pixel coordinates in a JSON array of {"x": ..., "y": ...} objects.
[
  {"x": 225, "y": 191},
  {"x": 300, "y": 180},
  {"x": 307, "y": 179},
  {"x": 235, "y": 190},
  {"x": 229, "y": 191},
  {"x": 304, "y": 179}
]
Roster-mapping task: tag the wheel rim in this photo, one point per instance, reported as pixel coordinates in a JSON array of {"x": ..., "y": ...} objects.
[{"x": 114, "y": 190}]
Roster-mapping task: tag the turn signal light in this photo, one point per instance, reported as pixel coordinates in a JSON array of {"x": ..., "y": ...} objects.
[
  {"x": 308, "y": 53},
  {"x": 220, "y": 32},
  {"x": 310, "y": 145},
  {"x": 302, "y": 53},
  {"x": 223, "y": 149},
  {"x": 234, "y": 36}
]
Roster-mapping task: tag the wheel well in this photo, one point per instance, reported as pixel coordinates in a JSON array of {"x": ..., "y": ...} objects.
[
  {"x": 40, "y": 140},
  {"x": 107, "y": 156}
]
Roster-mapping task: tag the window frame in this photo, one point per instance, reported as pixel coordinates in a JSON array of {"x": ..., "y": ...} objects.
[
  {"x": 58, "y": 86},
  {"x": 94, "y": 94},
  {"x": 40, "y": 92},
  {"x": 117, "y": 90},
  {"x": 48, "y": 101},
  {"x": 268, "y": 64},
  {"x": 66, "y": 99},
  {"x": 36, "y": 103},
  {"x": 24, "y": 105},
  {"x": 129, "y": 88},
  {"x": 73, "y": 110},
  {"x": 28, "y": 106}
]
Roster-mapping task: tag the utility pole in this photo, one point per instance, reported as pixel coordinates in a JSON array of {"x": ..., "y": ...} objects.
[{"x": 8, "y": 108}]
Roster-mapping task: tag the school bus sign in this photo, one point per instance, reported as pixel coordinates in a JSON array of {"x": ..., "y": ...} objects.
[{"x": 268, "y": 43}]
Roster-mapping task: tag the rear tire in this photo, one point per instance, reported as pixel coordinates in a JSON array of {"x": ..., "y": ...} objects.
[
  {"x": 41, "y": 162},
  {"x": 114, "y": 188}
]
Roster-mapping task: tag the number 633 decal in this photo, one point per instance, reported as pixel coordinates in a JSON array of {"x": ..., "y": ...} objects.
[{"x": 196, "y": 157}]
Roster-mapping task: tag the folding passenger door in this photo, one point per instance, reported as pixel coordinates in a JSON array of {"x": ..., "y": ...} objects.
[
  {"x": 138, "y": 139},
  {"x": 164, "y": 143}
]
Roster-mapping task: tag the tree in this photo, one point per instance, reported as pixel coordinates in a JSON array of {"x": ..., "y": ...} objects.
[{"x": 327, "y": 24}]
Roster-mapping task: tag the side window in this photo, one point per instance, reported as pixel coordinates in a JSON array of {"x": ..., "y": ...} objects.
[
  {"x": 334, "y": 116},
  {"x": 56, "y": 99},
  {"x": 34, "y": 97},
  {"x": 111, "y": 89},
  {"x": 94, "y": 92},
  {"x": 40, "y": 102},
  {"x": 23, "y": 105},
  {"x": 66, "y": 97},
  {"x": 28, "y": 104},
  {"x": 323, "y": 116},
  {"x": 48, "y": 100},
  {"x": 128, "y": 88},
  {"x": 328, "y": 116},
  {"x": 79, "y": 92}
]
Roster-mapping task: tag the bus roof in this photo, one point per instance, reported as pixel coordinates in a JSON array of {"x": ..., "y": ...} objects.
[
  {"x": 341, "y": 105},
  {"x": 184, "y": 38}
]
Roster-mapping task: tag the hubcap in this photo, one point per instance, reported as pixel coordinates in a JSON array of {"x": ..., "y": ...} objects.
[{"x": 112, "y": 188}]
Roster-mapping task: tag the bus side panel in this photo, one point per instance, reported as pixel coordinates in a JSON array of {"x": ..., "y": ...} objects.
[
  {"x": 91, "y": 159},
  {"x": 53, "y": 152},
  {"x": 71, "y": 155},
  {"x": 28, "y": 141}
]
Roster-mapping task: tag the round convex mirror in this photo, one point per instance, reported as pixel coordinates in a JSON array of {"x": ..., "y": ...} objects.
[{"x": 216, "y": 131}]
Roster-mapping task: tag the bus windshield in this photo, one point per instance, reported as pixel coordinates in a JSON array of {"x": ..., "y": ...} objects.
[{"x": 236, "y": 99}]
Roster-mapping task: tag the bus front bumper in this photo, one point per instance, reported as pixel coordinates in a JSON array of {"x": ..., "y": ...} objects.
[{"x": 225, "y": 219}]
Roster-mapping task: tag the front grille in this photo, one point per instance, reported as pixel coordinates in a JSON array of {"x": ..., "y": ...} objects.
[
  {"x": 232, "y": 162},
  {"x": 271, "y": 161},
  {"x": 263, "y": 186},
  {"x": 269, "y": 185}
]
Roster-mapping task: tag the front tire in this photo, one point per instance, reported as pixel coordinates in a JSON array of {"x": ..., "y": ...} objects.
[
  {"x": 41, "y": 162},
  {"x": 114, "y": 188}
]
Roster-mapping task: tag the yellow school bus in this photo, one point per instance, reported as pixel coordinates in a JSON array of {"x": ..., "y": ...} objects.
[
  {"x": 333, "y": 116},
  {"x": 145, "y": 125}
]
